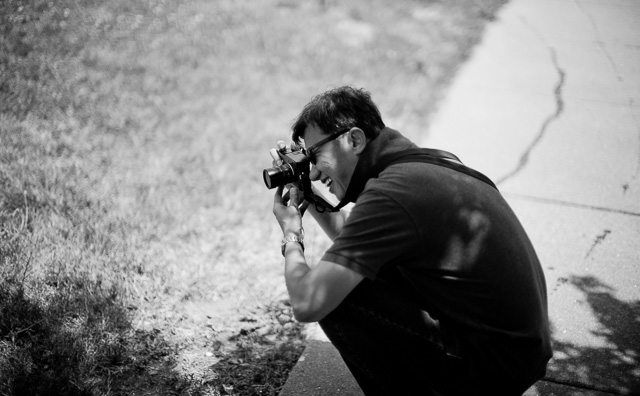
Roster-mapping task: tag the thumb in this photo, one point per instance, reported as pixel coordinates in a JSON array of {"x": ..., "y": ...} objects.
[{"x": 295, "y": 196}]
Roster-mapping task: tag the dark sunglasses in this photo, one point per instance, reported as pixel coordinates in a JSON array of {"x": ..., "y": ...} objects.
[{"x": 311, "y": 151}]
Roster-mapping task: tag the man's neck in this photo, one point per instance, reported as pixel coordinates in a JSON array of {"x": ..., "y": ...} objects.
[{"x": 389, "y": 141}]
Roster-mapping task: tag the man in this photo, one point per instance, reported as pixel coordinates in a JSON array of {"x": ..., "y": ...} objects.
[{"x": 431, "y": 285}]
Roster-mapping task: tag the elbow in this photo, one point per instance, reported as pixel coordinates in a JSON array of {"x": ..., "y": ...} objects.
[
  {"x": 305, "y": 313},
  {"x": 303, "y": 317}
]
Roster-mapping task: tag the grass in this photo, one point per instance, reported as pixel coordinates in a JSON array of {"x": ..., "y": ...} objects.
[{"x": 138, "y": 253}]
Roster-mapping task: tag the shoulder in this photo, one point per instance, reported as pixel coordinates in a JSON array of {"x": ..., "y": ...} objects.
[
  {"x": 379, "y": 230},
  {"x": 404, "y": 183},
  {"x": 428, "y": 182}
]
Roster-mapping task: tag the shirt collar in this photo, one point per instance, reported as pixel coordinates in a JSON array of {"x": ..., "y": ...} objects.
[{"x": 389, "y": 141}]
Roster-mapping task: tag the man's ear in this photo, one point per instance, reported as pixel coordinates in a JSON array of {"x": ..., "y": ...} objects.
[{"x": 357, "y": 140}]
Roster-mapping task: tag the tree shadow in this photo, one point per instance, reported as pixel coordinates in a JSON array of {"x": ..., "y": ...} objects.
[
  {"x": 80, "y": 341},
  {"x": 614, "y": 368},
  {"x": 81, "y": 344}
]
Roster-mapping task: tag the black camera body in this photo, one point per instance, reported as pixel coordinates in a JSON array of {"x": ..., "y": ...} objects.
[{"x": 295, "y": 170}]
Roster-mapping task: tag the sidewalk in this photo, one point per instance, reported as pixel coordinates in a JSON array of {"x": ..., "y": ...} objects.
[{"x": 548, "y": 106}]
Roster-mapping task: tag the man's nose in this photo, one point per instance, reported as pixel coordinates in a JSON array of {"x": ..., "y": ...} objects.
[{"x": 314, "y": 174}]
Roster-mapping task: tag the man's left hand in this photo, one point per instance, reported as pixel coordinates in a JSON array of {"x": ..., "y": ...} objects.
[{"x": 286, "y": 208}]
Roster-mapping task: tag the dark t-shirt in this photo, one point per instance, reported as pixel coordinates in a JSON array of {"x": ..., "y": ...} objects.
[{"x": 454, "y": 243}]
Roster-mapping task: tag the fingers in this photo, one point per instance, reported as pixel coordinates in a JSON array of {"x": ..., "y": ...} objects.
[
  {"x": 292, "y": 197},
  {"x": 276, "y": 158},
  {"x": 295, "y": 196},
  {"x": 274, "y": 152},
  {"x": 285, "y": 199},
  {"x": 277, "y": 199}
]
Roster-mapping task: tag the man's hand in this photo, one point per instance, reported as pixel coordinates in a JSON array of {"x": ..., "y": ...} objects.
[
  {"x": 285, "y": 199},
  {"x": 286, "y": 208}
]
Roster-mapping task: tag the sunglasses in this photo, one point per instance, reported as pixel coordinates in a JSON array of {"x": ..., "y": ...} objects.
[{"x": 311, "y": 151}]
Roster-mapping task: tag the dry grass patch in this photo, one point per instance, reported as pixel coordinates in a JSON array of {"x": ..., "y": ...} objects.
[{"x": 138, "y": 253}]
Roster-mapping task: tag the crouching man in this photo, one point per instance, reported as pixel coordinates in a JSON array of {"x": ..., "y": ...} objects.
[{"x": 431, "y": 285}]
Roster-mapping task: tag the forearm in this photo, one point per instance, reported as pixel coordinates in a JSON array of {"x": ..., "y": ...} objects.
[
  {"x": 296, "y": 269},
  {"x": 314, "y": 293},
  {"x": 307, "y": 289}
]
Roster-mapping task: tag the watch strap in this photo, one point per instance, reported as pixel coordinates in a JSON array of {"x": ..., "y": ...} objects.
[{"x": 292, "y": 238}]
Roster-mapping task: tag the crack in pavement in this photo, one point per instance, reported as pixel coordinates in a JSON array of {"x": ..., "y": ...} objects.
[
  {"x": 599, "y": 239},
  {"x": 570, "y": 204},
  {"x": 524, "y": 158},
  {"x": 616, "y": 72},
  {"x": 634, "y": 177},
  {"x": 599, "y": 41}
]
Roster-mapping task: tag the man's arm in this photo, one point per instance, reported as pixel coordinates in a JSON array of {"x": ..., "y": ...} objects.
[
  {"x": 316, "y": 292},
  {"x": 313, "y": 292}
]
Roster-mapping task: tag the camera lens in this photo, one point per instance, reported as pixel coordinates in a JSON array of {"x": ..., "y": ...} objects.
[{"x": 278, "y": 176}]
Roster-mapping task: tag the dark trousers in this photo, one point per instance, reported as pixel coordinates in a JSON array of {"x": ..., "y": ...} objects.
[{"x": 390, "y": 345}]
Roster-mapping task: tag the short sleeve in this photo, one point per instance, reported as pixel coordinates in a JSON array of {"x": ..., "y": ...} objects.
[{"x": 378, "y": 231}]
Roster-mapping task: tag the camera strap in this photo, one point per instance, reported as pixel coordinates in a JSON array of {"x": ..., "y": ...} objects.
[
  {"x": 431, "y": 156},
  {"x": 425, "y": 155}
]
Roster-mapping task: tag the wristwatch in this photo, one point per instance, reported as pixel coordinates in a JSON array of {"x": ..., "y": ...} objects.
[{"x": 292, "y": 238}]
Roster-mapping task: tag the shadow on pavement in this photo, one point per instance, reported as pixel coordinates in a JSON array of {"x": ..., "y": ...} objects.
[{"x": 614, "y": 368}]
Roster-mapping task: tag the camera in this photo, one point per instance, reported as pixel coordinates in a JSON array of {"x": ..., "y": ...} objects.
[{"x": 295, "y": 170}]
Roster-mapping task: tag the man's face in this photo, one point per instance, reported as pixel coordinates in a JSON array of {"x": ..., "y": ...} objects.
[{"x": 335, "y": 161}]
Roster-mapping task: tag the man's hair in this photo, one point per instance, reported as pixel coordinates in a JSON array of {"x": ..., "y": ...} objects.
[{"x": 337, "y": 109}]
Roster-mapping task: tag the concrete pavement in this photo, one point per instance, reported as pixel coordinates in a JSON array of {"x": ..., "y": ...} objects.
[{"x": 548, "y": 106}]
